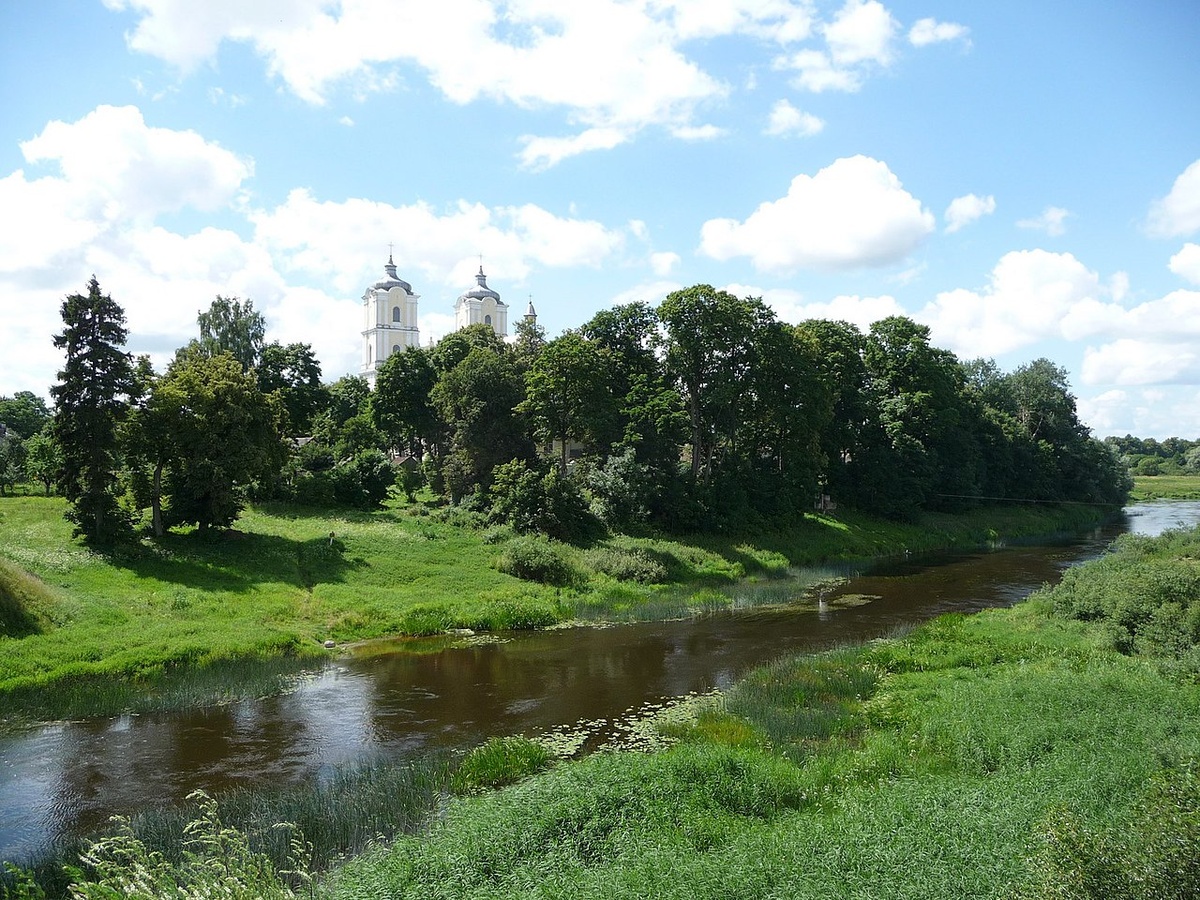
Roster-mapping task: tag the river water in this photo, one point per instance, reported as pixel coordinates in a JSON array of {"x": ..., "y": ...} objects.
[{"x": 417, "y": 695}]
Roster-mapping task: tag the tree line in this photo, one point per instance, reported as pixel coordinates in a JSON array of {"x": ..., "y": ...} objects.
[{"x": 704, "y": 413}]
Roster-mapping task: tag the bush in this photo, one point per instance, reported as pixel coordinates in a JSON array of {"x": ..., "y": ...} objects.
[
  {"x": 627, "y": 564},
  {"x": 549, "y": 502},
  {"x": 536, "y": 559}
]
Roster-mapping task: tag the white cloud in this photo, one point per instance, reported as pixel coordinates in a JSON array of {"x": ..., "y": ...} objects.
[
  {"x": 663, "y": 264},
  {"x": 334, "y": 241},
  {"x": 930, "y": 31},
  {"x": 862, "y": 31},
  {"x": 1178, "y": 213},
  {"x": 1052, "y": 221},
  {"x": 1130, "y": 361},
  {"x": 786, "y": 120},
  {"x": 303, "y": 263},
  {"x": 612, "y": 67},
  {"x": 1032, "y": 295},
  {"x": 698, "y": 132},
  {"x": 851, "y": 214},
  {"x": 792, "y": 306},
  {"x": 817, "y": 72},
  {"x": 964, "y": 210},
  {"x": 1186, "y": 263},
  {"x": 120, "y": 168}
]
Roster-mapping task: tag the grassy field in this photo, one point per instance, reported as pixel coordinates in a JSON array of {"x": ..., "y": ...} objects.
[
  {"x": 189, "y": 620},
  {"x": 1013, "y": 754},
  {"x": 1166, "y": 487}
]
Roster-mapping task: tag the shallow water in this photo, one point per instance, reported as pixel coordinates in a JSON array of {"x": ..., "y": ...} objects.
[{"x": 398, "y": 701}]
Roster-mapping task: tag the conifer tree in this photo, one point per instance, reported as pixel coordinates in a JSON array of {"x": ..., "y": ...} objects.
[{"x": 92, "y": 395}]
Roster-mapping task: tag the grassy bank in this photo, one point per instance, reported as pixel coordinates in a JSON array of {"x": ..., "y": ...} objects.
[
  {"x": 1048, "y": 750},
  {"x": 1166, "y": 487},
  {"x": 187, "y": 620}
]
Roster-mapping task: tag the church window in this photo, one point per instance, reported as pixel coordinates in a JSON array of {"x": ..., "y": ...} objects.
[
  {"x": 395, "y": 314},
  {"x": 395, "y": 348},
  {"x": 487, "y": 320}
]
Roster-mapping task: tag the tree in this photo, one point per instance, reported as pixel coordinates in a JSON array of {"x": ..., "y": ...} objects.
[
  {"x": 24, "y": 414},
  {"x": 42, "y": 459},
  {"x": 223, "y": 434},
  {"x": 477, "y": 400},
  {"x": 12, "y": 461},
  {"x": 294, "y": 372},
  {"x": 709, "y": 351},
  {"x": 402, "y": 408},
  {"x": 567, "y": 394},
  {"x": 92, "y": 395},
  {"x": 234, "y": 327}
]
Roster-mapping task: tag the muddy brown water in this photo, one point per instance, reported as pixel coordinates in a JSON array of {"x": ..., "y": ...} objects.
[{"x": 415, "y": 696}]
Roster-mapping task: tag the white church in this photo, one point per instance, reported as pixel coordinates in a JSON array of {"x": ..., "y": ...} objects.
[{"x": 390, "y": 316}]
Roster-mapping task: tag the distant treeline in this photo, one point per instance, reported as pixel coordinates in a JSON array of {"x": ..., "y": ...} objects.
[
  {"x": 1146, "y": 456},
  {"x": 703, "y": 413}
]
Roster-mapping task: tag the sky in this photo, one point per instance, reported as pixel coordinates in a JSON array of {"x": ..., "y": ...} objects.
[{"x": 1022, "y": 177}]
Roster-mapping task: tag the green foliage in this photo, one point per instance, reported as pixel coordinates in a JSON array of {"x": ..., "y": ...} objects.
[
  {"x": 1145, "y": 593},
  {"x": 219, "y": 433},
  {"x": 294, "y": 372},
  {"x": 12, "y": 461},
  {"x": 547, "y": 501},
  {"x": 234, "y": 327},
  {"x": 537, "y": 559},
  {"x": 1154, "y": 856},
  {"x": 217, "y": 862},
  {"x": 43, "y": 459},
  {"x": 24, "y": 414},
  {"x": 364, "y": 481},
  {"x": 91, "y": 397},
  {"x": 499, "y": 762},
  {"x": 627, "y": 564}
]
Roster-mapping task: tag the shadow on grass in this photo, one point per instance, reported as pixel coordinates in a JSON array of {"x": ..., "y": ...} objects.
[{"x": 236, "y": 561}]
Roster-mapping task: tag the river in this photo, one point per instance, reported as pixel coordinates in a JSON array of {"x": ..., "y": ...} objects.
[{"x": 416, "y": 695}]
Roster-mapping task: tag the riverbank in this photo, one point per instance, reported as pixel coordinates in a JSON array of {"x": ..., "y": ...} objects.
[
  {"x": 1165, "y": 487},
  {"x": 1047, "y": 750},
  {"x": 189, "y": 621}
]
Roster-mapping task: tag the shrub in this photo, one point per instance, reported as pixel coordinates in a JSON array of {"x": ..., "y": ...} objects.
[
  {"x": 536, "y": 559},
  {"x": 627, "y": 564}
]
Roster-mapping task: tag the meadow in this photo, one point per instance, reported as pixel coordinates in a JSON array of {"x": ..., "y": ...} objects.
[
  {"x": 190, "y": 620},
  {"x": 1165, "y": 487}
]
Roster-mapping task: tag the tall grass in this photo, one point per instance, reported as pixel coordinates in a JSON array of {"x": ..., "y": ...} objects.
[{"x": 1011, "y": 753}]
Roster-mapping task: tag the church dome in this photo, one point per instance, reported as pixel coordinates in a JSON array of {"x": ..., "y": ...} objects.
[
  {"x": 481, "y": 289},
  {"x": 392, "y": 280}
]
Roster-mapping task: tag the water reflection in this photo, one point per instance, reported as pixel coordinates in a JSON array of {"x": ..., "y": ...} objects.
[{"x": 68, "y": 778}]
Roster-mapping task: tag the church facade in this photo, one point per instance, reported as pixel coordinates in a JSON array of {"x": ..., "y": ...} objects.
[{"x": 390, "y": 316}]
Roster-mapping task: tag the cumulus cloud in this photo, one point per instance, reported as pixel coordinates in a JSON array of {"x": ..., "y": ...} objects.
[
  {"x": 964, "y": 210},
  {"x": 612, "y": 67},
  {"x": 1129, "y": 361},
  {"x": 786, "y": 120},
  {"x": 792, "y": 306},
  {"x": 861, "y": 31},
  {"x": 930, "y": 31},
  {"x": 1178, "y": 213},
  {"x": 1032, "y": 295},
  {"x": 303, "y": 263},
  {"x": 1186, "y": 263},
  {"x": 851, "y": 214},
  {"x": 1052, "y": 221}
]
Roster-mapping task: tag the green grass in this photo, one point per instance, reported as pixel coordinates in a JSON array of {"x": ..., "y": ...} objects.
[
  {"x": 1015, "y": 753},
  {"x": 1165, "y": 487},
  {"x": 186, "y": 619}
]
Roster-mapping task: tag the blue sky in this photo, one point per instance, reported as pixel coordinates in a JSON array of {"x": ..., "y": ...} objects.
[{"x": 1023, "y": 177}]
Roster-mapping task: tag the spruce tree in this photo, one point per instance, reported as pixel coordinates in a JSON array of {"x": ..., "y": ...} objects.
[{"x": 92, "y": 395}]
